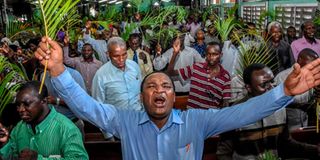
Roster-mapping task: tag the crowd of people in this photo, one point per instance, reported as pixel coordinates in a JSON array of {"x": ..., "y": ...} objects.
[{"x": 128, "y": 90}]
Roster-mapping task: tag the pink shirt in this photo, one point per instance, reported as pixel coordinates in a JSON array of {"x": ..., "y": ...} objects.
[{"x": 298, "y": 45}]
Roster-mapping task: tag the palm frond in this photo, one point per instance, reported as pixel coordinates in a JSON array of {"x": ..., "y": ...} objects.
[
  {"x": 166, "y": 35},
  {"x": 232, "y": 11},
  {"x": 110, "y": 13},
  {"x": 268, "y": 155},
  {"x": 249, "y": 54},
  {"x": 136, "y": 4},
  {"x": 128, "y": 30},
  {"x": 8, "y": 84},
  {"x": 14, "y": 27},
  {"x": 224, "y": 27},
  {"x": 105, "y": 24},
  {"x": 55, "y": 15}
]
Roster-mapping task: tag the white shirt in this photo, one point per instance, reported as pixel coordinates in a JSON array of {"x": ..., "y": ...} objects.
[
  {"x": 230, "y": 58},
  {"x": 186, "y": 57},
  {"x": 100, "y": 46}
]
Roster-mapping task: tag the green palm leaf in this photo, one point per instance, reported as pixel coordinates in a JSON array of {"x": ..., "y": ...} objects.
[
  {"x": 128, "y": 30},
  {"x": 55, "y": 15},
  {"x": 252, "y": 54},
  {"x": 58, "y": 13},
  {"x": 8, "y": 84},
  {"x": 224, "y": 27},
  {"x": 136, "y": 4},
  {"x": 15, "y": 27}
]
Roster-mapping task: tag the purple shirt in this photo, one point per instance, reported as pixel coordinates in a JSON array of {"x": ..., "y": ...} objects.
[{"x": 298, "y": 45}]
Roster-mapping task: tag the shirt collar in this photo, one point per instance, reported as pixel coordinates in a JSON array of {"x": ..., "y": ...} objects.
[
  {"x": 306, "y": 42},
  {"x": 174, "y": 118},
  {"x": 46, "y": 122},
  {"x": 126, "y": 68},
  {"x": 82, "y": 60},
  {"x": 205, "y": 65}
]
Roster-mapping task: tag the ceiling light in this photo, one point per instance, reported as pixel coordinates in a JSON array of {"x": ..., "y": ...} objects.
[
  {"x": 112, "y": 1},
  {"x": 102, "y": 1}
]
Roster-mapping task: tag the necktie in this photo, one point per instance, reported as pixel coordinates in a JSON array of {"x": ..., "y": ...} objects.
[{"x": 135, "y": 57}]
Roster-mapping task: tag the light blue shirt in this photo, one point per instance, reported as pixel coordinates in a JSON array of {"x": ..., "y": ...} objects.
[
  {"x": 64, "y": 109},
  {"x": 182, "y": 137},
  {"x": 119, "y": 88}
]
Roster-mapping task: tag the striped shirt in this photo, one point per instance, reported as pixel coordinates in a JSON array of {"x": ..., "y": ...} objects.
[
  {"x": 206, "y": 92},
  {"x": 55, "y": 136}
]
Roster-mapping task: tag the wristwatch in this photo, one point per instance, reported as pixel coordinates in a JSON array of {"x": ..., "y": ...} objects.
[{"x": 57, "y": 101}]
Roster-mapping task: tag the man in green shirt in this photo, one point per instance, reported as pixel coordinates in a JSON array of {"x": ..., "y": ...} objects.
[{"x": 43, "y": 133}]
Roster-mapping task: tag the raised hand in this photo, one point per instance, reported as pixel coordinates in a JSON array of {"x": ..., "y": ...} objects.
[
  {"x": 176, "y": 46},
  {"x": 66, "y": 40},
  {"x": 158, "y": 49},
  {"x": 88, "y": 24},
  {"x": 143, "y": 57},
  {"x": 51, "y": 51},
  {"x": 28, "y": 154},
  {"x": 301, "y": 80}
]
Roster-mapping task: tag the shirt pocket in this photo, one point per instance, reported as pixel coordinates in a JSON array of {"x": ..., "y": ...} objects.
[
  {"x": 133, "y": 83},
  {"x": 186, "y": 152}
]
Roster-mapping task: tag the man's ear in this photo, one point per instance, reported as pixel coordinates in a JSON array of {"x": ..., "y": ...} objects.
[
  {"x": 45, "y": 100},
  {"x": 248, "y": 87}
]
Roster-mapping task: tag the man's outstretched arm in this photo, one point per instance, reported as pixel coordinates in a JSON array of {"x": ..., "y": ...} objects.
[{"x": 75, "y": 97}]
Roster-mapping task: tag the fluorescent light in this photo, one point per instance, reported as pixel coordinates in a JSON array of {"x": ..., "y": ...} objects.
[
  {"x": 102, "y": 1},
  {"x": 112, "y": 1},
  {"x": 119, "y": 2}
]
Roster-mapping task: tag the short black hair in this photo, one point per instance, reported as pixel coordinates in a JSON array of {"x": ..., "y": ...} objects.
[
  {"x": 35, "y": 86},
  {"x": 303, "y": 24},
  {"x": 144, "y": 79},
  {"x": 34, "y": 41},
  {"x": 247, "y": 73},
  {"x": 291, "y": 27},
  {"x": 214, "y": 43},
  {"x": 250, "y": 24},
  {"x": 135, "y": 35},
  {"x": 308, "y": 52},
  {"x": 87, "y": 44},
  {"x": 13, "y": 47}
]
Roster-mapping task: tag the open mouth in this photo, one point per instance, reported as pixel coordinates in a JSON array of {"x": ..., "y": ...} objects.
[{"x": 159, "y": 101}]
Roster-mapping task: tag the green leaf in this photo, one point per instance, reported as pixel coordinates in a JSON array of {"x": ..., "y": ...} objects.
[
  {"x": 8, "y": 83},
  {"x": 56, "y": 14}
]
